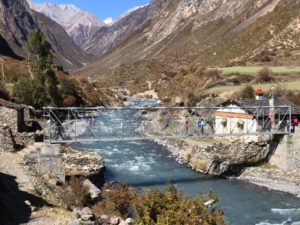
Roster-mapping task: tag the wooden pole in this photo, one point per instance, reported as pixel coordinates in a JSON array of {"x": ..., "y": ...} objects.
[
  {"x": 2, "y": 68},
  {"x": 29, "y": 67}
]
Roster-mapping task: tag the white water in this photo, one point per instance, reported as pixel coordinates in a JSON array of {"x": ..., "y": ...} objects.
[{"x": 145, "y": 164}]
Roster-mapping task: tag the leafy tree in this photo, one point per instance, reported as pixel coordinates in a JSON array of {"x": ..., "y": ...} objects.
[
  {"x": 40, "y": 91},
  {"x": 52, "y": 88}
]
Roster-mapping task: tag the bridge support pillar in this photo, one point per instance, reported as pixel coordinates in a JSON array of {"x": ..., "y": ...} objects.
[{"x": 287, "y": 153}]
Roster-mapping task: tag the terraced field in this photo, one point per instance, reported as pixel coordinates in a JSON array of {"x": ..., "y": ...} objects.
[{"x": 252, "y": 70}]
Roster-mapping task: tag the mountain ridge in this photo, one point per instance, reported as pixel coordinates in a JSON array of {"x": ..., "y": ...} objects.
[
  {"x": 79, "y": 25},
  {"x": 15, "y": 32}
]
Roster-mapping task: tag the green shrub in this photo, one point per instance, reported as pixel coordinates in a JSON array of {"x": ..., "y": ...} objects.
[
  {"x": 193, "y": 100},
  {"x": 265, "y": 75},
  {"x": 3, "y": 91},
  {"x": 23, "y": 91},
  {"x": 69, "y": 101},
  {"x": 116, "y": 200},
  {"x": 74, "y": 194},
  {"x": 172, "y": 207},
  {"x": 69, "y": 86},
  {"x": 169, "y": 207},
  {"x": 247, "y": 92}
]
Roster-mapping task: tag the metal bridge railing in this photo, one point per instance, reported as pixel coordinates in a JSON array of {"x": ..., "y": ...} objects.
[{"x": 67, "y": 125}]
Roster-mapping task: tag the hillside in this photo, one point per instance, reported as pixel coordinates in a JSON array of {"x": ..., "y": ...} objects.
[
  {"x": 181, "y": 37},
  {"x": 171, "y": 27}
]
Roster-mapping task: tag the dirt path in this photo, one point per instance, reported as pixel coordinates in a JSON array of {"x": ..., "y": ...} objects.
[
  {"x": 11, "y": 164},
  {"x": 17, "y": 197}
]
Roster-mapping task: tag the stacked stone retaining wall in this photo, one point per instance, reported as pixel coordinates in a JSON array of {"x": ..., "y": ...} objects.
[{"x": 287, "y": 154}]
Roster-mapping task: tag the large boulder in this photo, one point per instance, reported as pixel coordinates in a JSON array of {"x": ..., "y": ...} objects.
[{"x": 223, "y": 158}]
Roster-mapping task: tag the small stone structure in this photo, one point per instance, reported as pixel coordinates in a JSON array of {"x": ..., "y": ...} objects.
[
  {"x": 7, "y": 139},
  {"x": 65, "y": 162},
  {"x": 50, "y": 161},
  {"x": 16, "y": 127}
]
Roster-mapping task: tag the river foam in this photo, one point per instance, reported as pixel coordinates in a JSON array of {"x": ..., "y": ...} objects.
[{"x": 287, "y": 212}]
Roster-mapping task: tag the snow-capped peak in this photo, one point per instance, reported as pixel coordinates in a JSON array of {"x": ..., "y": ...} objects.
[
  {"x": 128, "y": 12},
  {"x": 108, "y": 21},
  {"x": 79, "y": 25}
]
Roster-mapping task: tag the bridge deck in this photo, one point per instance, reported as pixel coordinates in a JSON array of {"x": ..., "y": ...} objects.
[
  {"x": 68, "y": 125},
  {"x": 129, "y": 139}
]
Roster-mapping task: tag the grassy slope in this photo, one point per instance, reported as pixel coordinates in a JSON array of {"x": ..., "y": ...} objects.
[{"x": 255, "y": 69}]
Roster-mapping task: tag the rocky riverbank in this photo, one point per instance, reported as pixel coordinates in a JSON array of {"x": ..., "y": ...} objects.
[
  {"x": 273, "y": 178},
  {"x": 234, "y": 159},
  {"x": 219, "y": 158}
]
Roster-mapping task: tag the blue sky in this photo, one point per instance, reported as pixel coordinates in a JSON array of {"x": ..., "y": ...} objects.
[{"x": 101, "y": 8}]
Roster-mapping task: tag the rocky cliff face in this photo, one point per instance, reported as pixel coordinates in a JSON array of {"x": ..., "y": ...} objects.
[
  {"x": 107, "y": 38},
  {"x": 15, "y": 31},
  {"x": 17, "y": 20},
  {"x": 79, "y": 25}
]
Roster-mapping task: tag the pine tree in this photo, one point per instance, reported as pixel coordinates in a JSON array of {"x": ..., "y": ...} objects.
[{"x": 43, "y": 88}]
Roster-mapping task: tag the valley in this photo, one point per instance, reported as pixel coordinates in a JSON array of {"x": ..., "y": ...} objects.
[{"x": 94, "y": 75}]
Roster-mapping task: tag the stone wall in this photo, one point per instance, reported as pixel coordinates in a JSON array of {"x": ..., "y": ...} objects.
[
  {"x": 14, "y": 132},
  {"x": 287, "y": 154},
  {"x": 10, "y": 118},
  {"x": 7, "y": 140}
]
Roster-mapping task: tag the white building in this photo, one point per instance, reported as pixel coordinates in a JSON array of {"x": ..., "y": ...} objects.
[
  {"x": 252, "y": 116},
  {"x": 234, "y": 120}
]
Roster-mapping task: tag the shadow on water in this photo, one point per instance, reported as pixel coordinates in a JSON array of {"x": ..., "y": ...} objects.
[
  {"x": 13, "y": 209},
  {"x": 154, "y": 183}
]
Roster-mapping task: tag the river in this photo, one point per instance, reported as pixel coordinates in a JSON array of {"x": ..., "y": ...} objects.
[{"x": 145, "y": 164}]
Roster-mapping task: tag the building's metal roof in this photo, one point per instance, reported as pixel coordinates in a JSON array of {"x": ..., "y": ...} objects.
[{"x": 248, "y": 104}]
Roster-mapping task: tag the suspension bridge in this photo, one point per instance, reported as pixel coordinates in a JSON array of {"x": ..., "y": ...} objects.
[{"x": 100, "y": 124}]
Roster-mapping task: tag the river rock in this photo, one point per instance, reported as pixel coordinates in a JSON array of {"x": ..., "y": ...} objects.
[
  {"x": 76, "y": 222},
  {"x": 75, "y": 214},
  {"x": 129, "y": 221},
  {"x": 87, "y": 217},
  {"x": 94, "y": 192},
  {"x": 115, "y": 220},
  {"x": 86, "y": 211},
  {"x": 104, "y": 219}
]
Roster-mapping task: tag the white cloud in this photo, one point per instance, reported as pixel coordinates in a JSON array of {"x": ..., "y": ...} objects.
[{"x": 108, "y": 21}]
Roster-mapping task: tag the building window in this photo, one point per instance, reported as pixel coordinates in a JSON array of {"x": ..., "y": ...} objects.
[
  {"x": 224, "y": 122},
  {"x": 240, "y": 124}
]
